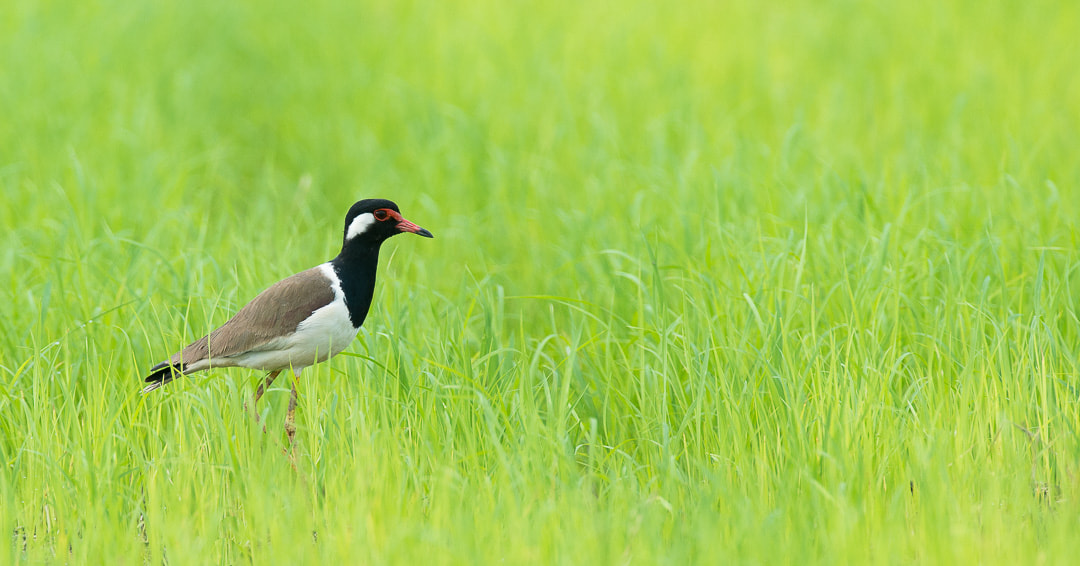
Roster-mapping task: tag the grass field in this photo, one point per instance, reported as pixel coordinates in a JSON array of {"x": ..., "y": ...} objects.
[{"x": 713, "y": 282}]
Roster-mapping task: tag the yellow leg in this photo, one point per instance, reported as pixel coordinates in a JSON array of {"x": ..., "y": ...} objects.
[
  {"x": 270, "y": 377},
  {"x": 290, "y": 419}
]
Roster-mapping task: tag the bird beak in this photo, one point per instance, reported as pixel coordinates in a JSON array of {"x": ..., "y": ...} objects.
[{"x": 406, "y": 226}]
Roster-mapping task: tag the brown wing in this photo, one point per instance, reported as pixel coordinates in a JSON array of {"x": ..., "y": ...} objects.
[{"x": 274, "y": 313}]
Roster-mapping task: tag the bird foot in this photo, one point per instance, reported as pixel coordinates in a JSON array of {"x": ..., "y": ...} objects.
[{"x": 290, "y": 428}]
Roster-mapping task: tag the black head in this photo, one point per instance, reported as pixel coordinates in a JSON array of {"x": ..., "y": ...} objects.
[{"x": 373, "y": 220}]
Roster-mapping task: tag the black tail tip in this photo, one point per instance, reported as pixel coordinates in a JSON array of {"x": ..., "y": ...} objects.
[{"x": 162, "y": 374}]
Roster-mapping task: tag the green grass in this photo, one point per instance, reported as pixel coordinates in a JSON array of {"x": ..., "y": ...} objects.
[{"x": 712, "y": 282}]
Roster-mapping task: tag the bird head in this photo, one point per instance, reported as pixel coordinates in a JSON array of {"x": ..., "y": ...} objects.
[{"x": 372, "y": 221}]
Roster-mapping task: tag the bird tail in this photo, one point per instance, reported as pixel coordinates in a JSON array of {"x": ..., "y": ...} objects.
[{"x": 162, "y": 374}]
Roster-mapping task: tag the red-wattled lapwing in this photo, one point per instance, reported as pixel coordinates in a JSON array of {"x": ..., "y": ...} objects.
[{"x": 304, "y": 319}]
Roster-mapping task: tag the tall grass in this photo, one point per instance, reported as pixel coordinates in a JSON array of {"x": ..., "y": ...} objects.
[{"x": 712, "y": 282}]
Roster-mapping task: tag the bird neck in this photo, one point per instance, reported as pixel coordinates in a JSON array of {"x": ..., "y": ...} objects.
[{"x": 355, "y": 267}]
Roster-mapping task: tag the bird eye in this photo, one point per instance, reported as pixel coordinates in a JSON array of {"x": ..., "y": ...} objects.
[{"x": 381, "y": 214}]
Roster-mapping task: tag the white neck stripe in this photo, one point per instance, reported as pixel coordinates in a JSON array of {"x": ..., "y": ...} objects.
[{"x": 335, "y": 283}]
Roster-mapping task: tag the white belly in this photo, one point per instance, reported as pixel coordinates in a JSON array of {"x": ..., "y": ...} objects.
[{"x": 325, "y": 333}]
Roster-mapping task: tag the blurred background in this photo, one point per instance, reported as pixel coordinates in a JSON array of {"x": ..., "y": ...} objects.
[
  {"x": 775, "y": 263},
  {"x": 527, "y": 136},
  {"x": 546, "y": 125}
]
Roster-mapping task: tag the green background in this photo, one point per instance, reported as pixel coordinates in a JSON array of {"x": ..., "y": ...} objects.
[{"x": 712, "y": 282}]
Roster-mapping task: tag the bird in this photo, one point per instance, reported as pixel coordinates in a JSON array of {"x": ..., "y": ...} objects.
[{"x": 303, "y": 319}]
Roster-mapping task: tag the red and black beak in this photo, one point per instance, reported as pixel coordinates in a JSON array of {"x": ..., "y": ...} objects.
[{"x": 406, "y": 226}]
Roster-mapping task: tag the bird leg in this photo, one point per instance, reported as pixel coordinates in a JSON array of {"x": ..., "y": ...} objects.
[
  {"x": 270, "y": 377},
  {"x": 290, "y": 420}
]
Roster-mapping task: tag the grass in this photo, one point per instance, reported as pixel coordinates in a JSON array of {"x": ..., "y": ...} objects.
[{"x": 712, "y": 282}]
